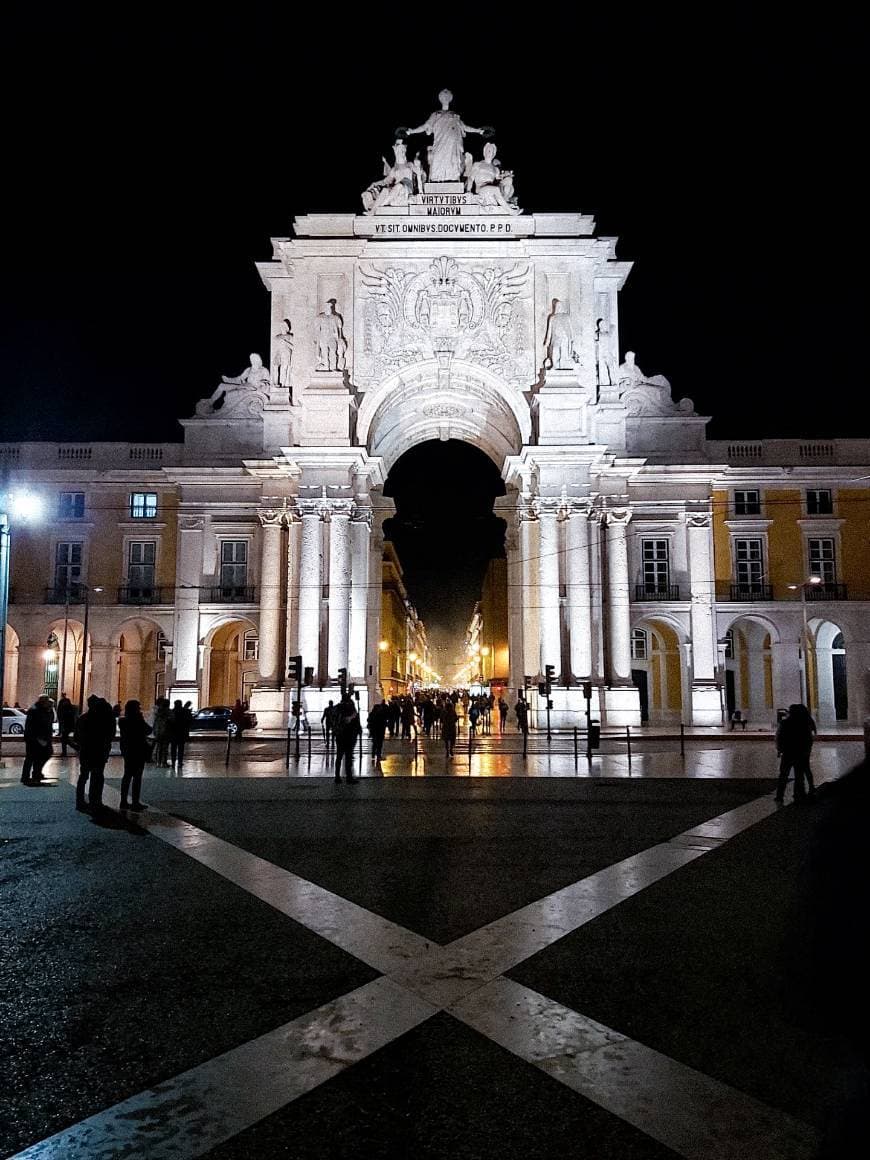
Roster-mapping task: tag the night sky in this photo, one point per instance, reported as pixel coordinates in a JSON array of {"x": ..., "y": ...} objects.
[{"x": 152, "y": 152}]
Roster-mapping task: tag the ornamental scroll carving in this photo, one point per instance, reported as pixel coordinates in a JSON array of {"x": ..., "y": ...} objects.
[{"x": 479, "y": 314}]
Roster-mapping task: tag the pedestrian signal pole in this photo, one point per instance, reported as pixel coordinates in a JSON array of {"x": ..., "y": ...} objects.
[
  {"x": 549, "y": 678},
  {"x": 294, "y": 673}
]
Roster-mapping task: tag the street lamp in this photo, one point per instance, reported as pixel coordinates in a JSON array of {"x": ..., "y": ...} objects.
[
  {"x": 14, "y": 506},
  {"x": 810, "y": 582}
]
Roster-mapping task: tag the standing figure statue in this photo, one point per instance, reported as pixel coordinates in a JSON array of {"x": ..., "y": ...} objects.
[
  {"x": 331, "y": 343},
  {"x": 284, "y": 354},
  {"x": 559, "y": 340},
  {"x": 446, "y": 157}
]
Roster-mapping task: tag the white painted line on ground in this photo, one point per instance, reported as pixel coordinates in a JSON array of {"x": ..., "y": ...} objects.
[{"x": 694, "y": 1115}]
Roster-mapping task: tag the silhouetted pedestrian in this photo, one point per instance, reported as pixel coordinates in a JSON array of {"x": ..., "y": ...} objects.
[
  {"x": 37, "y": 740},
  {"x": 327, "y": 723},
  {"x": 179, "y": 732},
  {"x": 66, "y": 723},
  {"x": 347, "y": 731},
  {"x": 377, "y": 726},
  {"x": 448, "y": 727},
  {"x": 95, "y": 731},
  {"x": 135, "y": 749},
  {"x": 794, "y": 742},
  {"x": 161, "y": 732},
  {"x": 502, "y": 714},
  {"x": 521, "y": 710}
]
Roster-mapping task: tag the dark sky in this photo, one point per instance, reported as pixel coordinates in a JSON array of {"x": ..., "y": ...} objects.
[{"x": 152, "y": 151}]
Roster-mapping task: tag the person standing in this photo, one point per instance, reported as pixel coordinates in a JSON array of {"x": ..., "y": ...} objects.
[
  {"x": 327, "y": 721},
  {"x": 521, "y": 709},
  {"x": 794, "y": 743},
  {"x": 95, "y": 731},
  {"x": 377, "y": 724},
  {"x": 135, "y": 749},
  {"x": 179, "y": 733},
  {"x": 347, "y": 730},
  {"x": 162, "y": 727},
  {"x": 37, "y": 740},
  {"x": 448, "y": 726},
  {"x": 66, "y": 722},
  {"x": 502, "y": 714}
]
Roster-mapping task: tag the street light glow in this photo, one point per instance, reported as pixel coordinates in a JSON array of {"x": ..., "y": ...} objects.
[
  {"x": 25, "y": 505},
  {"x": 383, "y": 645}
]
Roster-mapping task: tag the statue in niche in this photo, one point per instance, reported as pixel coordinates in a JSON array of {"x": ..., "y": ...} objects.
[
  {"x": 559, "y": 340},
  {"x": 604, "y": 369},
  {"x": 447, "y": 130},
  {"x": 397, "y": 184},
  {"x": 250, "y": 387},
  {"x": 486, "y": 179},
  {"x": 284, "y": 354},
  {"x": 331, "y": 343}
]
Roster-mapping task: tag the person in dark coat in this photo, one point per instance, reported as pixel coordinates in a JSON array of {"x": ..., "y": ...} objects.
[
  {"x": 347, "y": 730},
  {"x": 448, "y": 727},
  {"x": 179, "y": 733},
  {"x": 794, "y": 742},
  {"x": 95, "y": 731},
  {"x": 377, "y": 724},
  {"x": 135, "y": 749},
  {"x": 37, "y": 740},
  {"x": 66, "y": 723}
]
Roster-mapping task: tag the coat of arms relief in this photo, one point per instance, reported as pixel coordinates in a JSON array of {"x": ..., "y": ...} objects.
[{"x": 478, "y": 314}]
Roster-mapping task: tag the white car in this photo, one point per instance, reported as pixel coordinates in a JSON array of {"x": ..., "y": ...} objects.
[{"x": 13, "y": 721}]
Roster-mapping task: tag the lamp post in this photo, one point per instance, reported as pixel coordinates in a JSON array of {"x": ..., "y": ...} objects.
[
  {"x": 24, "y": 506},
  {"x": 810, "y": 582},
  {"x": 88, "y": 590}
]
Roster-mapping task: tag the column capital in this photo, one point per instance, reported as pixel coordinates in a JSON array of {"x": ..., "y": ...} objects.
[
  {"x": 335, "y": 509},
  {"x": 191, "y": 523},
  {"x": 362, "y": 515},
  {"x": 619, "y": 517},
  {"x": 310, "y": 507},
  {"x": 274, "y": 514},
  {"x": 698, "y": 519}
]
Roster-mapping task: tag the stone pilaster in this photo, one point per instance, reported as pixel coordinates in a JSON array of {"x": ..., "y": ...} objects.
[
  {"x": 529, "y": 541},
  {"x": 618, "y": 597},
  {"x": 548, "y": 584},
  {"x": 706, "y": 698},
  {"x": 360, "y": 542},
  {"x": 579, "y": 590},
  {"x": 515, "y": 605},
  {"x": 339, "y": 585},
  {"x": 272, "y": 580}
]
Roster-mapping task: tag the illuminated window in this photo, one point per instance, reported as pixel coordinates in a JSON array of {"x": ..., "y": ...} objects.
[{"x": 143, "y": 505}]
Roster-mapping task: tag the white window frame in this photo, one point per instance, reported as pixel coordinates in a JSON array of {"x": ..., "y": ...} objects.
[
  {"x": 747, "y": 491},
  {"x": 145, "y": 514}
]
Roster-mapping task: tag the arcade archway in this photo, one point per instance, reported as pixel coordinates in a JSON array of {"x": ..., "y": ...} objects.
[
  {"x": 230, "y": 662},
  {"x": 657, "y": 649},
  {"x": 750, "y": 678},
  {"x": 141, "y": 662},
  {"x": 826, "y": 666}
]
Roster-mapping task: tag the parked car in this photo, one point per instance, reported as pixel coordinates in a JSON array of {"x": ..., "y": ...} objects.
[
  {"x": 218, "y": 717},
  {"x": 13, "y": 721}
]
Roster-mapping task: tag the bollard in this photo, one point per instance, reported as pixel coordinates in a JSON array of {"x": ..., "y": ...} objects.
[
  {"x": 227, "y": 755},
  {"x": 308, "y": 731},
  {"x": 470, "y": 747},
  {"x": 628, "y": 744},
  {"x": 525, "y": 743},
  {"x": 576, "y": 751},
  {"x": 682, "y": 740},
  {"x": 289, "y": 743}
]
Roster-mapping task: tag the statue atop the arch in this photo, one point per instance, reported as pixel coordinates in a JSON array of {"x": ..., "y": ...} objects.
[
  {"x": 493, "y": 185},
  {"x": 235, "y": 394},
  {"x": 647, "y": 395},
  {"x": 399, "y": 182},
  {"x": 447, "y": 130}
]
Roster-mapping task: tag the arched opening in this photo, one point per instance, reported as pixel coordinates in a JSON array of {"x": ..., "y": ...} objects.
[
  {"x": 141, "y": 662},
  {"x": 451, "y": 571},
  {"x": 230, "y": 668},
  {"x": 657, "y": 671},
  {"x": 826, "y": 672},
  {"x": 749, "y": 672},
  {"x": 60, "y": 664}
]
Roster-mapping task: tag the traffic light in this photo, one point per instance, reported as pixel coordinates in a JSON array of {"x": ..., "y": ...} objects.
[
  {"x": 542, "y": 688},
  {"x": 528, "y": 682},
  {"x": 342, "y": 680},
  {"x": 587, "y": 690},
  {"x": 549, "y": 677},
  {"x": 294, "y": 669}
]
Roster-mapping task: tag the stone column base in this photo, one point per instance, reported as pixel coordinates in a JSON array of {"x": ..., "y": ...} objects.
[
  {"x": 706, "y": 705},
  {"x": 183, "y": 692},
  {"x": 569, "y": 708},
  {"x": 272, "y": 706},
  {"x": 621, "y": 706}
]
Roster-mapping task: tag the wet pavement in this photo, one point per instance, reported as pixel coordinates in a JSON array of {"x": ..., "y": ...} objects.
[{"x": 266, "y": 963}]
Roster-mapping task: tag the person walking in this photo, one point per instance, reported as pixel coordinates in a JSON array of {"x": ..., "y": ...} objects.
[
  {"x": 95, "y": 731},
  {"x": 179, "y": 733},
  {"x": 135, "y": 749},
  {"x": 448, "y": 727},
  {"x": 521, "y": 709},
  {"x": 377, "y": 726},
  {"x": 327, "y": 723},
  {"x": 162, "y": 726},
  {"x": 66, "y": 723},
  {"x": 347, "y": 729},
  {"x": 239, "y": 718},
  {"x": 794, "y": 742},
  {"x": 37, "y": 740},
  {"x": 502, "y": 714}
]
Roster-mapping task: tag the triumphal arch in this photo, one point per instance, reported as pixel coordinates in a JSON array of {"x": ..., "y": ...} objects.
[{"x": 445, "y": 310}]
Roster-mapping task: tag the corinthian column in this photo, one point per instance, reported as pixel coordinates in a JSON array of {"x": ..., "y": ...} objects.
[
  {"x": 700, "y": 553},
  {"x": 579, "y": 594},
  {"x": 339, "y": 585},
  {"x": 360, "y": 539},
  {"x": 310, "y": 583},
  {"x": 272, "y": 578},
  {"x": 548, "y": 587},
  {"x": 618, "y": 606},
  {"x": 515, "y": 605}
]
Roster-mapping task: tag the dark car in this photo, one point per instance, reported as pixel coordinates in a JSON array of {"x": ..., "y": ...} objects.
[{"x": 218, "y": 717}]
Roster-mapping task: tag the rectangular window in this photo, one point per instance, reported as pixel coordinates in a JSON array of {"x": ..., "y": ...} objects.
[
  {"x": 234, "y": 567},
  {"x": 639, "y": 645},
  {"x": 143, "y": 505},
  {"x": 749, "y": 564},
  {"x": 823, "y": 560},
  {"x": 71, "y": 505},
  {"x": 747, "y": 503},
  {"x": 141, "y": 557},
  {"x": 252, "y": 646},
  {"x": 67, "y": 567},
  {"x": 820, "y": 503},
  {"x": 160, "y": 643},
  {"x": 656, "y": 566}
]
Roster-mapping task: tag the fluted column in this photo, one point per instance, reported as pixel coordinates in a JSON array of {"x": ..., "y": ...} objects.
[
  {"x": 339, "y": 585},
  {"x": 528, "y": 522},
  {"x": 700, "y": 556},
  {"x": 548, "y": 586},
  {"x": 618, "y": 605},
  {"x": 310, "y": 583},
  {"x": 515, "y": 605},
  {"x": 271, "y": 596},
  {"x": 579, "y": 593},
  {"x": 360, "y": 544}
]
